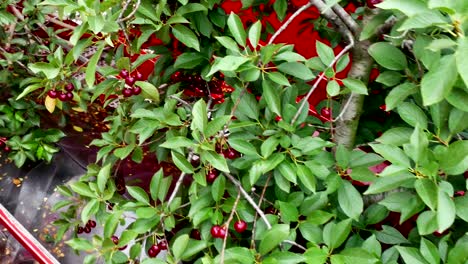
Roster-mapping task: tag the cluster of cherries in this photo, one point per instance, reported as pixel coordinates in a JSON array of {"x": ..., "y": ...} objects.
[
  {"x": 154, "y": 250},
  {"x": 115, "y": 240},
  {"x": 3, "y": 141},
  {"x": 87, "y": 228},
  {"x": 218, "y": 231},
  {"x": 195, "y": 86},
  {"x": 63, "y": 96},
  {"x": 130, "y": 79}
]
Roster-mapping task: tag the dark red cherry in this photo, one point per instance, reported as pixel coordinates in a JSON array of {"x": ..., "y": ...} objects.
[
  {"x": 372, "y": 3},
  {"x": 222, "y": 232},
  {"x": 127, "y": 92},
  {"x": 326, "y": 112},
  {"x": 123, "y": 73},
  {"x": 130, "y": 80},
  {"x": 211, "y": 176},
  {"x": 69, "y": 87},
  {"x": 7, "y": 149},
  {"x": 136, "y": 90},
  {"x": 139, "y": 76},
  {"x": 91, "y": 223},
  {"x": 52, "y": 94},
  {"x": 153, "y": 251},
  {"x": 80, "y": 230},
  {"x": 215, "y": 231},
  {"x": 115, "y": 239},
  {"x": 162, "y": 244},
  {"x": 195, "y": 234},
  {"x": 240, "y": 226},
  {"x": 62, "y": 96},
  {"x": 87, "y": 229},
  {"x": 69, "y": 96}
]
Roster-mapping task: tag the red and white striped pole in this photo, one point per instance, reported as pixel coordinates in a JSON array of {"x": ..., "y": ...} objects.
[{"x": 26, "y": 239}]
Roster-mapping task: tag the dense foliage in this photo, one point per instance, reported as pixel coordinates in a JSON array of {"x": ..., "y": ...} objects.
[{"x": 249, "y": 131}]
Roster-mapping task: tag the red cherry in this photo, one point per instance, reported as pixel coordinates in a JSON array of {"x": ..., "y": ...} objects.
[
  {"x": 195, "y": 161},
  {"x": 372, "y": 3},
  {"x": 69, "y": 87},
  {"x": 374, "y": 74},
  {"x": 127, "y": 92},
  {"x": 130, "y": 80},
  {"x": 69, "y": 96},
  {"x": 80, "y": 230},
  {"x": 52, "y": 94},
  {"x": 222, "y": 232},
  {"x": 278, "y": 118},
  {"x": 465, "y": 174},
  {"x": 231, "y": 154},
  {"x": 7, "y": 149},
  {"x": 92, "y": 223},
  {"x": 215, "y": 230},
  {"x": 153, "y": 251},
  {"x": 211, "y": 176},
  {"x": 459, "y": 193},
  {"x": 136, "y": 90},
  {"x": 195, "y": 234},
  {"x": 62, "y": 96},
  {"x": 115, "y": 239},
  {"x": 162, "y": 245},
  {"x": 325, "y": 112},
  {"x": 240, "y": 226},
  {"x": 139, "y": 76},
  {"x": 123, "y": 73},
  {"x": 87, "y": 229}
]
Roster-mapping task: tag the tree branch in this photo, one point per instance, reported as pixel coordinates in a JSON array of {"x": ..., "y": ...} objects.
[
  {"x": 290, "y": 19},
  {"x": 231, "y": 216}
]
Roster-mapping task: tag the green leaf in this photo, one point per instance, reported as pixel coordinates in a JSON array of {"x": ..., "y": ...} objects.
[
  {"x": 186, "y": 36},
  {"x": 181, "y": 162},
  {"x": 254, "y": 33},
  {"x": 407, "y": 7},
  {"x": 325, "y": 53},
  {"x": 390, "y": 235},
  {"x": 358, "y": 255},
  {"x": 457, "y": 121},
  {"x": 315, "y": 255},
  {"x": 82, "y": 189},
  {"x": 413, "y": 115},
  {"x": 236, "y": 28},
  {"x": 350, "y": 200},
  {"x": 388, "y": 56},
  {"x": 29, "y": 89},
  {"x": 243, "y": 146},
  {"x": 50, "y": 71},
  {"x": 238, "y": 255},
  {"x": 278, "y": 78},
  {"x": 90, "y": 76},
  {"x": 103, "y": 177},
  {"x": 333, "y": 88},
  {"x": 149, "y": 91},
  {"x": 139, "y": 194},
  {"x": 429, "y": 251},
  {"x": 80, "y": 244},
  {"x": 111, "y": 223},
  {"x": 269, "y": 146},
  {"x": 398, "y": 94},
  {"x": 334, "y": 234},
  {"x": 438, "y": 82},
  {"x": 216, "y": 160},
  {"x": 126, "y": 237},
  {"x": 391, "y": 153},
  {"x": 179, "y": 246},
  {"x": 273, "y": 237},
  {"x": 306, "y": 177},
  {"x": 462, "y": 59},
  {"x": 389, "y": 78},
  {"x": 411, "y": 255},
  {"x": 272, "y": 97},
  {"x": 426, "y": 190},
  {"x": 388, "y": 183},
  {"x": 229, "y": 63},
  {"x": 456, "y": 160},
  {"x": 90, "y": 209},
  {"x": 289, "y": 212},
  {"x": 177, "y": 142},
  {"x": 445, "y": 211},
  {"x": 218, "y": 188},
  {"x": 461, "y": 204},
  {"x": 195, "y": 247},
  {"x": 417, "y": 148},
  {"x": 122, "y": 153},
  {"x": 228, "y": 43},
  {"x": 296, "y": 69},
  {"x": 396, "y": 136},
  {"x": 199, "y": 113},
  {"x": 427, "y": 223},
  {"x": 155, "y": 184},
  {"x": 287, "y": 170}
]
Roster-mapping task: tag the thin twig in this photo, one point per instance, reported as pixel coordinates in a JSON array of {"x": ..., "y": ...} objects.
[
  {"x": 178, "y": 183},
  {"x": 348, "y": 101},
  {"x": 60, "y": 23},
  {"x": 322, "y": 77},
  {"x": 180, "y": 101},
  {"x": 252, "y": 242},
  {"x": 231, "y": 216},
  {"x": 289, "y": 21},
  {"x": 120, "y": 19},
  {"x": 248, "y": 198}
]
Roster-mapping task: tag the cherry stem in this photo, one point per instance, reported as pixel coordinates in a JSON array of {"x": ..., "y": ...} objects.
[{"x": 231, "y": 216}]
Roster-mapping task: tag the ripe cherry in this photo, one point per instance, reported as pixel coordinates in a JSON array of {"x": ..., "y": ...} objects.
[
  {"x": 278, "y": 118},
  {"x": 115, "y": 239},
  {"x": 69, "y": 87},
  {"x": 123, "y": 73},
  {"x": 91, "y": 223},
  {"x": 127, "y": 92},
  {"x": 215, "y": 231},
  {"x": 139, "y": 76},
  {"x": 153, "y": 251},
  {"x": 162, "y": 244},
  {"x": 195, "y": 234},
  {"x": 459, "y": 193},
  {"x": 230, "y": 153},
  {"x": 69, "y": 96},
  {"x": 136, "y": 90},
  {"x": 195, "y": 161},
  {"x": 87, "y": 230},
  {"x": 52, "y": 94},
  {"x": 372, "y": 3},
  {"x": 240, "y": 226},
  {"x": 211, "y": 176},
  {"x": 62, "y": 96},
  {"x": 7, "y": 149},
  {"x": 222, "y": 232},
  {"x": 326, "y": 112},
  {"x": 130, "y": 80},
  {"x": 80, "y": 230}
]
